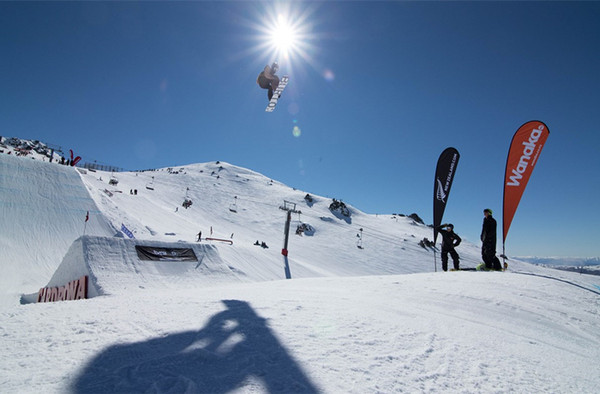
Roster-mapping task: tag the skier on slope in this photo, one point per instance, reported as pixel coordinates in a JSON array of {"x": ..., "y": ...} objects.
[
  {"x": 488, "y": 240},
  {"x": 450, "y": 240},
  {"x": 268, "y": 80}
]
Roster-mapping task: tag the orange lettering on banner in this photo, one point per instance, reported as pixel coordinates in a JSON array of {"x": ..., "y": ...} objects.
[
  {"x": 82, "y": 288},
  {"x": 41, "y": 294},
  {"x": 60, "y": 296},
  {"x": 71, "y": 290},
  {"x": 74, "y": 290},
  {"x": 54, "y": 295}
]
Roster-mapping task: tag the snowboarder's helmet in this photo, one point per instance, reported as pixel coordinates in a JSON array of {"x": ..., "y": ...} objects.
[
  {"x": 451, "y": 226},
  {"x": 487, "y": 210},
  {"x": 274, "y": 67}
]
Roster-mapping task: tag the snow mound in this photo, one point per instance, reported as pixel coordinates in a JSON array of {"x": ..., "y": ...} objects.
[
  {"x": 43, "y": 207},
  {"x": 114, "y": 266}
]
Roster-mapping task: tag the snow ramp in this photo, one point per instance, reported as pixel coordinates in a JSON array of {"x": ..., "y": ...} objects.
[
  {"x": 116, "y": 266},
  {"x": 43, "y": 207}
]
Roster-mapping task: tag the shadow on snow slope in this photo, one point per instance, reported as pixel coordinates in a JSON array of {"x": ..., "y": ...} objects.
[{"x": 236, "y": 348}]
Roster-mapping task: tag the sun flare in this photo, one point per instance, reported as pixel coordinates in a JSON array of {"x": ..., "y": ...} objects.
[
  {"x": 284, "y": 33},
  {"x": 283, "y": 36}
]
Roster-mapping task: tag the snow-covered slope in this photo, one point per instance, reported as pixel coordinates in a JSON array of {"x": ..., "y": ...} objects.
[
  {"x": 390, "y": 244},
  {"x": 43, "y": 208},
  {"x": 455, "y": 332},
  {"x": 370, "y": 319},
  {"x": 27, "y": 148}
]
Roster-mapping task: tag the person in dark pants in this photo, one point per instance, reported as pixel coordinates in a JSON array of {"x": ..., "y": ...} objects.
[
  {"x": 268, "y": 80},
  {"x": 450, "y": 240},
  {"x": 488, "y": 240}
]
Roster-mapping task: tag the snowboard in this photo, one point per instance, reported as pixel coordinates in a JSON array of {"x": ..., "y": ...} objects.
[
  {"x": 277, "y": 93},
  {"x": 480, "y": 267}
]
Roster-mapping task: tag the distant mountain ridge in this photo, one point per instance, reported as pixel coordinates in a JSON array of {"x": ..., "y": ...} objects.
[
  {"x": 560, "y": 261},
  {"x": 32, "y": 148}
]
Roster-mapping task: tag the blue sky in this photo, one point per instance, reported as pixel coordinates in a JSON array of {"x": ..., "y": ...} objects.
[{"x": 378, "y": 91}]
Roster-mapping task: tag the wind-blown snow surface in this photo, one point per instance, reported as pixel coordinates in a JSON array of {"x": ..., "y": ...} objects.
[{"x": 352, "y": 320}]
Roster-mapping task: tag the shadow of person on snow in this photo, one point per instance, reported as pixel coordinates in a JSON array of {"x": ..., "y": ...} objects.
[{"x": 235, "y": 349}]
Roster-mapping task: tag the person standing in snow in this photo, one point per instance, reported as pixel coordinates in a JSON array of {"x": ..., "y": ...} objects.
[
  {"x": 450, "y": 240},
  {"x": 199, "y": 236},
  {"x": 488, "y": 242}
]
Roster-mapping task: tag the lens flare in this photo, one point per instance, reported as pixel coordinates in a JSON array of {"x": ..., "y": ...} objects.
[{"x": 296, "y": 132}]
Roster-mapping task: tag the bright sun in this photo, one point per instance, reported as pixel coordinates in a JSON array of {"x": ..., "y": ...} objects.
[
  {"x": 284, "y": 33},
  {"x": 283, "y": 36}
]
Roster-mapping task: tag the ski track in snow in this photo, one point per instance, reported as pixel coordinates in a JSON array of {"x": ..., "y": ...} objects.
[{"x": 351, "y": 320}]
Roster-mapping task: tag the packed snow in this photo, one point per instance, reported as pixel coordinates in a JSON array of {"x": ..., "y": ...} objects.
[{"x": 374, "y": 318}]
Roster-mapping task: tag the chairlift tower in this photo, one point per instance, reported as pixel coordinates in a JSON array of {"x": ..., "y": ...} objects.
[
  {"x": 290, "y": 208},
  {"x": 54, "y": 148}
]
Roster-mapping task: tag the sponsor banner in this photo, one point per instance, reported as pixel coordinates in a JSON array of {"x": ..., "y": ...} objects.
[
  {"x": 75, "y": 160},
  {"x": 74, "y": 290},
  {"x": 444, "y": 175},
  {"x": 165, "y": 254},
  {"x": 525, "y": 148},
  {"x": 125, "y": 230}
]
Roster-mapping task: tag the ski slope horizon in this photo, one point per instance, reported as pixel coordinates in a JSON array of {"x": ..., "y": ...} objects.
[
  {"x": 370, "y": 319},
  {"x": 389, "y": 243},
  {"x": 566, "y": 260}
]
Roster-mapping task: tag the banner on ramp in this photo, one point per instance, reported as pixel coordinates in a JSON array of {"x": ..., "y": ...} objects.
[{"x": 165, "y": 254}]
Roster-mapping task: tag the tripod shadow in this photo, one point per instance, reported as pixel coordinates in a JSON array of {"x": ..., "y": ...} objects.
[{"x": 235, "y": 349}]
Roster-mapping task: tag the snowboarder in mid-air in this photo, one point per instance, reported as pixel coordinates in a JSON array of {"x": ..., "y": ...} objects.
[
  {"x": 450, "y": 240},
  {"x": 267, "y": 79}
]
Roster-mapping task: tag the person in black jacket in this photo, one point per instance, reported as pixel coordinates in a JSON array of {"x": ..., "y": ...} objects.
[
  {"x": 488, "y": 240},
  {"x": 268, "y": 80},
  {"x": 450, "y": 240}
]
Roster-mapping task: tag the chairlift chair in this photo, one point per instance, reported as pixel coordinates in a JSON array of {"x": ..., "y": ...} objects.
[
  {"x": 233, "y": 206},
  {"x": 150, "y": 185},
  {"x": 113, "y": 181},
  {"x": 359, "y": 243}
]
